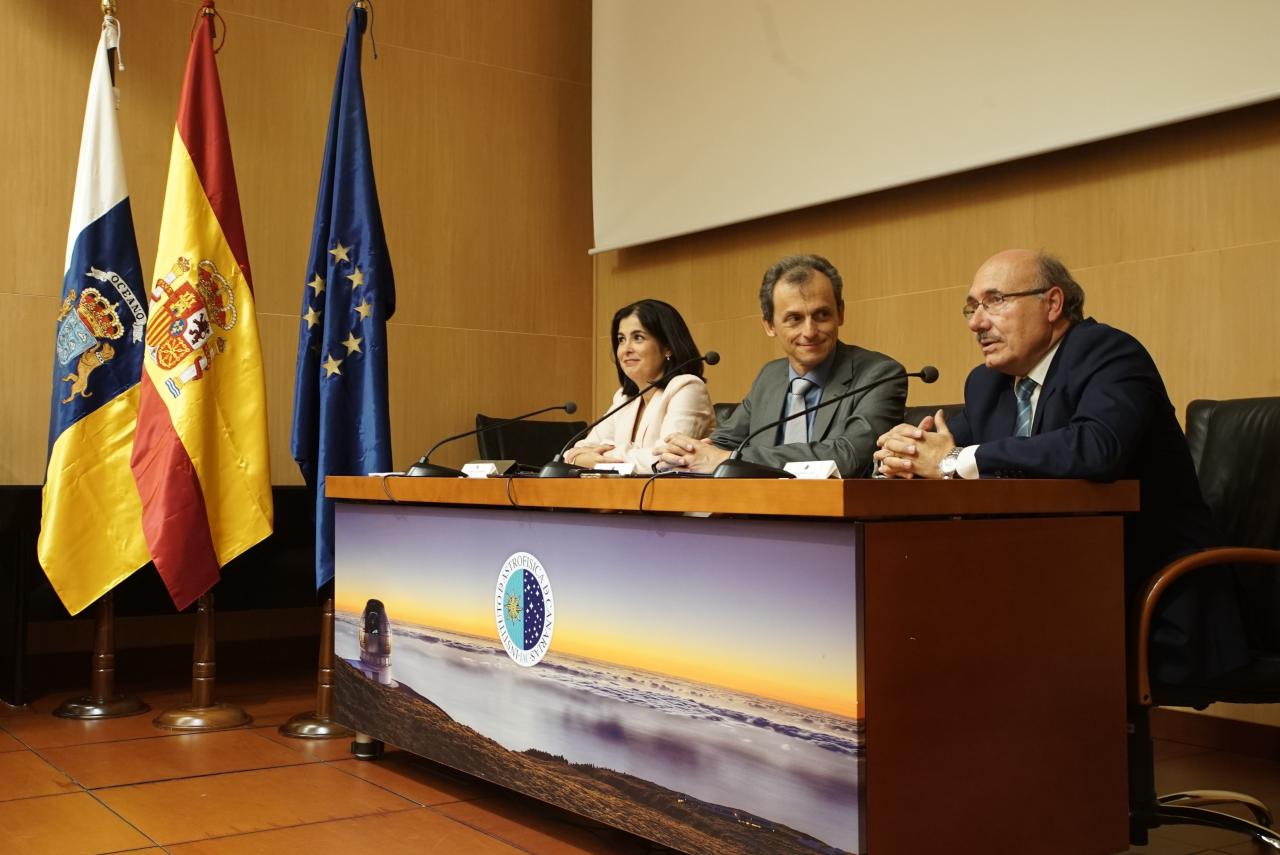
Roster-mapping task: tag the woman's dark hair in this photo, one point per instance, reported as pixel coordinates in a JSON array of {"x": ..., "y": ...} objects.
[{"x": 663, "y": 322}]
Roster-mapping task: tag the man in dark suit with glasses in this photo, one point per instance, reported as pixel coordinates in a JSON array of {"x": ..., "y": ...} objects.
[{"x": 1062, "y": 396}]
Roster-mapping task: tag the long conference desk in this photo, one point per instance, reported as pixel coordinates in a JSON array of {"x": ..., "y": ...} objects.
[{"x": 753, "y": 666}]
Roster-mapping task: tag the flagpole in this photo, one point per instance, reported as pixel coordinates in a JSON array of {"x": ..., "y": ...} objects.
[
  {"x": 202, "y": 713},
  {"x": 109, "y": 14},
  {"x": 102, "y": 700},
  {"x": 203, "y": 366},
  {"x": 319, "y": 724},
  {"x": 82, "y": 561},
  {"x": 342, "y": 345}
]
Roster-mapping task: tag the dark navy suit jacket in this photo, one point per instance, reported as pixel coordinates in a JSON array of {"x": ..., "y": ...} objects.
[{"x": 1104, "y": 415}]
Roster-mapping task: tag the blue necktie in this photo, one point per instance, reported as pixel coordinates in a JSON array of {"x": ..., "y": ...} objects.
[{"x": 1023, "y": 391}]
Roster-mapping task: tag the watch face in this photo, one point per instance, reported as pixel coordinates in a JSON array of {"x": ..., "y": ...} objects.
[{"x": 948, "y": 465}]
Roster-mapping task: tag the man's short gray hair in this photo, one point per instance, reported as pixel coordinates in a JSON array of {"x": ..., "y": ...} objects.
[
  {"x": 798, "y": 270},
  {"x": 1052, "y": 273}
]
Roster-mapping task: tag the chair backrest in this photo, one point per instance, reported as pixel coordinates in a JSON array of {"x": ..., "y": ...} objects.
[
  {"x": 914, "y": 413},
  {"x": 1236, "y": 448},
  {"x": 529, "y": 442}
]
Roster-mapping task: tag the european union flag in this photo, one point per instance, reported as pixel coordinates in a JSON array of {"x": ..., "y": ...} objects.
[{"x": 341, "y": 424}]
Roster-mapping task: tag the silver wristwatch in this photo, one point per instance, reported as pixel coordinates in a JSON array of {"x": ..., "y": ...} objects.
[{"x": 948, "y": 463}]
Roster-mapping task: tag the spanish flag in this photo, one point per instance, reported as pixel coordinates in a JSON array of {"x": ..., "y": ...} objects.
[
  {"x": 200, "y": 455},
  {"x": 91, "y": 521}
]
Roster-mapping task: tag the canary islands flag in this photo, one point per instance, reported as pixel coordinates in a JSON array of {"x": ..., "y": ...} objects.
[
  {"x": 341, "y": 424},
  {"x": 91, "y": 522},
  {"x": 200, "y": 456}
]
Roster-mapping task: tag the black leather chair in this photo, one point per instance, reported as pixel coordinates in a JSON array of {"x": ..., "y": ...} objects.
[
  {"x": 531, "y": 443},
  {"x": 1234, "y": 445},
  {"x": 914, "y": 413}
]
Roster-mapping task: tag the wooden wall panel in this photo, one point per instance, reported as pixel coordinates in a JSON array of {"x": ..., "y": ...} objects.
[
  {"x": 480, "y": 123},
  {"x": 277, "y": 123},
  {"x": 499, "y": 373},
  {"x": 551, "y": 38},
  {"x": 45, "y": 79},
  {"x": 938, "y": 337},
  {"x": 279, "y": 336},
  {"x": 1208, "y": 318},
  {"x": 24, "y": 416}
]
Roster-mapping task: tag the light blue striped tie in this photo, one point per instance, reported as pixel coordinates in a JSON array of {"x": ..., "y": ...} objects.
[
  {"x": 1025, "y": 388},
  {"x": 797, "y": 429}
]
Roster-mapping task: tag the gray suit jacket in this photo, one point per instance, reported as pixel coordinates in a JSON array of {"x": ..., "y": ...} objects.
[{"x": 845, "y": 432}]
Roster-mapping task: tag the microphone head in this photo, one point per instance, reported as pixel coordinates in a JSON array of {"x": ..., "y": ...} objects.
[
  {"x": 711, "y": 357},
  {"x": 928, "y": 374},
  {"x": 571, "y": 407}
]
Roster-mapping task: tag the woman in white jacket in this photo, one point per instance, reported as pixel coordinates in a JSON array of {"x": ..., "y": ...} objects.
[{"x": 650, "y": 338}]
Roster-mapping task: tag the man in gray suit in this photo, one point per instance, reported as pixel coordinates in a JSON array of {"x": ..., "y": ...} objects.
[{"x": 802, "y": 303}]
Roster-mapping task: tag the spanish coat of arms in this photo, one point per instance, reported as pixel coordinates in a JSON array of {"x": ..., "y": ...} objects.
[{"x": 185, "y": 314}]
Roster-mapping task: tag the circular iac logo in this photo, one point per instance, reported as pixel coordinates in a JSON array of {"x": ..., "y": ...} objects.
[{"x": 524, "y": 609}]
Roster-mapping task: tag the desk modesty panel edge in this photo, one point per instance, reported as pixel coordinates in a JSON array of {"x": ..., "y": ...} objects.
[{"x": 863, "y": 499}]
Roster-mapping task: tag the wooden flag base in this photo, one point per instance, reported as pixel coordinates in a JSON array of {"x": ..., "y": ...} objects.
[
  {"x": 202, "y": 713},
  {"x": 102, "y": 701},
  {"x": 318, "y": 724}
]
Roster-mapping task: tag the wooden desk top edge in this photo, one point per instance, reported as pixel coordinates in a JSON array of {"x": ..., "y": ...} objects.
[{"x": 850, "y": 499}]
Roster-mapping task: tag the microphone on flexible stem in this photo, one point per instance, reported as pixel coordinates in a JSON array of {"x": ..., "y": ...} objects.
[
  {"x": 424, "y": 468},
  {"x": 557, "y": 468},
  {"x": 735, "y": 467}
]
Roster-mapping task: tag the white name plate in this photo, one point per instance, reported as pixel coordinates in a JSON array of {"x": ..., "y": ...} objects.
[
  {"x": 620, "y": 468},
  {"x": 479, "y": 470},
  {"x": 815, "y": 469},
  {"x": 487, "y": 468}
]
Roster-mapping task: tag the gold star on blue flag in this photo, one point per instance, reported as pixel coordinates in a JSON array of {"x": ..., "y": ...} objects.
[{"x": 341, "y": 424}]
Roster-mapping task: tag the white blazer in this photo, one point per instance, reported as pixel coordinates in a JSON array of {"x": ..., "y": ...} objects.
[{"x": 683, "y": 407}]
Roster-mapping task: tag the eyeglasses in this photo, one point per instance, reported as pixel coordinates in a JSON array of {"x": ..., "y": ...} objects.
[{"x": 996, "y": 302}]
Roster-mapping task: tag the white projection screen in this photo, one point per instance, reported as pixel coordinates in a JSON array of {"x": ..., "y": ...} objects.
[{"x": 710, "y": 112}]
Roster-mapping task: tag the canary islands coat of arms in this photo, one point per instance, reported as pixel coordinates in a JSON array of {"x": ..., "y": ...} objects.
[
  {"x": 186, "y": 315},
  {"x": 87, "y": 324}
]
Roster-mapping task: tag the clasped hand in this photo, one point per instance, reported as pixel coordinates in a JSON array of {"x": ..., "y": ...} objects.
[
  {"x": 679, "y": 451},
  {"x": 914, "y": 451}
]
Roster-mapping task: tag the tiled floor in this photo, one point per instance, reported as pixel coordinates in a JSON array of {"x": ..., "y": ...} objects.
[
  {"x": 122, "y": 785},
  {"x": 70, "y": 787}
]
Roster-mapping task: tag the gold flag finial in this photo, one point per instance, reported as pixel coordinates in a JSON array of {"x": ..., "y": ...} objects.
[{"x": 108, "y": 8}]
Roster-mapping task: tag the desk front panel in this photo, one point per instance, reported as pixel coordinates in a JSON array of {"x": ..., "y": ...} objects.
[
  {"x": 994, "y": 686},
  {"x": 695, "y": 681}
]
